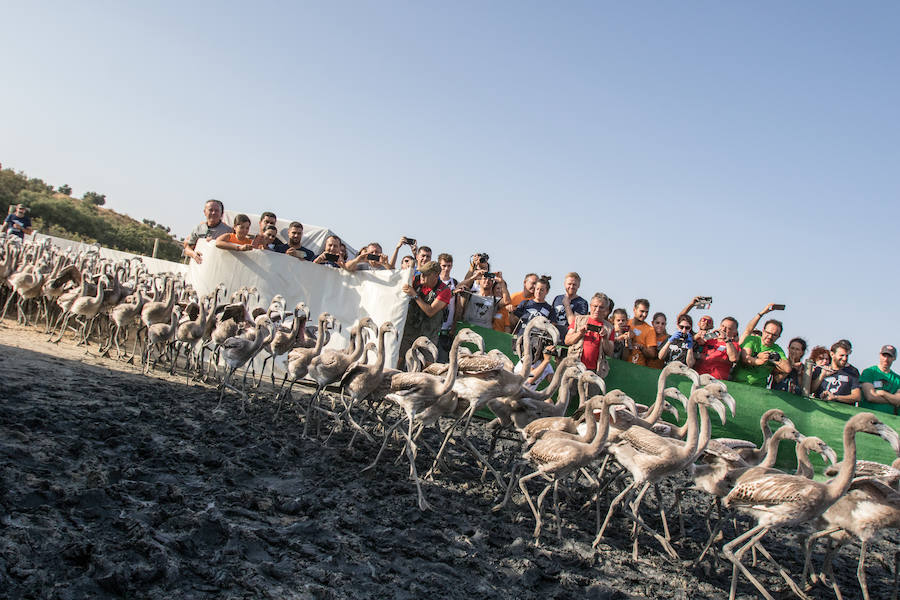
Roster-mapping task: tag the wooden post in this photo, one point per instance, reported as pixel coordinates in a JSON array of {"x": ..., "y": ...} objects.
[{"x": 155, "y": 247}]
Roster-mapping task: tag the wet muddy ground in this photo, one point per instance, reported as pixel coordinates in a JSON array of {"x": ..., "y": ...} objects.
[{"x": 117, "y": 484}]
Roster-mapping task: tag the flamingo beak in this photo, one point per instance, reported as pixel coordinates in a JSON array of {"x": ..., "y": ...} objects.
[
  {"x": 788, "y": 423},
  {"x": 890, "y": 435},
  {"x": 719, "y": 407},
  {"x": 830, "y": 454}
]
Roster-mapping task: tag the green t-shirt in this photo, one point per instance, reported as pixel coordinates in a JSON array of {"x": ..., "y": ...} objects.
[
  {"x": 751, "y": 374},
  {"x": 889, "y": 382}
]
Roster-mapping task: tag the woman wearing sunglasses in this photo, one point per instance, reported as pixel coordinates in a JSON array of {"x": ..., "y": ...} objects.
[{"x": 680, "y": 346}]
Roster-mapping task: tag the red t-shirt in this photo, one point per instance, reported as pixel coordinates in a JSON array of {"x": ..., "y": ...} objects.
[
  {"x": 590, "y": 349},
  {"x": 714, "y": 359},
  {"x": 443, "y": 292}
]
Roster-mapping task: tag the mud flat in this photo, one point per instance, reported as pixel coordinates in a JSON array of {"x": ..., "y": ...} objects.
[{"x": 117, "y": 484}]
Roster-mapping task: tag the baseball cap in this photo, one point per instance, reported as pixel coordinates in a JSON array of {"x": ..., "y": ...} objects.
[
  {"x": 888, "y": 349},
  {"x": 430, "y": 268}
]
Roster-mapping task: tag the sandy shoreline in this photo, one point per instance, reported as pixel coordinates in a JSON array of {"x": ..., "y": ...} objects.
[{"x": 116, "y": 484}]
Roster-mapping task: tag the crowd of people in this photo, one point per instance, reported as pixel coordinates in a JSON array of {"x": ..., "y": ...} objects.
[{"x": 595, "y": 330}]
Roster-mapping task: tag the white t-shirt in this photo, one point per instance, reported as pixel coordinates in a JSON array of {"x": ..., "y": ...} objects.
[{"x": 452, "y": 306}]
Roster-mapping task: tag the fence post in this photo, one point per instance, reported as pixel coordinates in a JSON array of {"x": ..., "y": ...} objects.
[{"x": 155, "y": 247}]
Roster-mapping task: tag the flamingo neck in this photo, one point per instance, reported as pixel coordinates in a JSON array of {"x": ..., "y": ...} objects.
[{"x": 838, "y": 486}]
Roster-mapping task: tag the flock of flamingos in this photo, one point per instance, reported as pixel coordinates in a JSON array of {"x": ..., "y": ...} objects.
[{"x": 611, "y": 441}]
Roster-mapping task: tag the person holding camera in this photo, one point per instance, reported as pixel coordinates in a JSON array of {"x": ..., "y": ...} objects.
[
  {"x": 793, "y": 380},
  {"x": 331, "y": 255},
  {"x": 591, "y": 336},
  {"x": 370, "y": 258},
  {"x": 751, "y": 326},
  {"x": 429, "y": 296},
  {"x": 719, "y": 354},
  {"x": 404, "y": 241},
  {"x": 680, "y": 345},
  {"x": 486, "y": 304},
  {"x": 760, "y": 355}
]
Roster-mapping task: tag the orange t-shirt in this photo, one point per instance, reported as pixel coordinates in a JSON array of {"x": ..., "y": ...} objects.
[
  {"x": 645, "y": 335},
  {"x": 500, "y": 322},
  {"x": 233, "y": 239},
  {"x": 518, "y": 298}
]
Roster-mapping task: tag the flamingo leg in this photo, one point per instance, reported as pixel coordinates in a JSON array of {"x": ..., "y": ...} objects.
[
  {"x": 753, "y": 535},
  {"x": 784, "y": 574},
  {"x": 612, "y": 507}
]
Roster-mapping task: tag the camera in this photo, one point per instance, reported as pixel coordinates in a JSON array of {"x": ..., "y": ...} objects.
[
  {"x": 330, "y": 256},
  {"x": 703, "y": 301},
  {"x": 373, "y": 256},
  {"x": 490, "y": 275},
  {"x": 481, "y": 257},
  {"x": 778, "y": 307},
  {"x": 594, "y": 328},
  {"x": 556, "y": 351},
  {"x": 409, "y": 241}
]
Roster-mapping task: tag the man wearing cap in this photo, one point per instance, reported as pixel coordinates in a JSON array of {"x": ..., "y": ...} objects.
[
  {"x": 880, "y": 384},
  {"x": 210, "y": 229},
  {"x": 18, "y": 223},
  {"x": 429, "y": 296}
]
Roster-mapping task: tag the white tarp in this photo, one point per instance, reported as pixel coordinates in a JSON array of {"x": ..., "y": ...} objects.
[
  {"x": 347, "y": 296},
  {"x": 154, "y": 265},
  {"x": 313, "y": 236}
]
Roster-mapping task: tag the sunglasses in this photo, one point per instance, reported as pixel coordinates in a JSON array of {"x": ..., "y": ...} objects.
[{"x": 686, "y": 327}]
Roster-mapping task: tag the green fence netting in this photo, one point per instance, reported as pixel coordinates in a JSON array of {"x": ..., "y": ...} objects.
[{"x": 812, "y": 417}]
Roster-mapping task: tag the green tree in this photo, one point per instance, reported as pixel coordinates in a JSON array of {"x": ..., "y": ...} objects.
[
  {"x": 95, "y": 198},
  {"x": 65, "y": 189}
]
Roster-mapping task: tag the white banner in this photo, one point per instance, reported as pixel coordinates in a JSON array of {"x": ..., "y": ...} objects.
[
  {"x": 154, "y": 265},
  {"x": 348, "y": 296}
]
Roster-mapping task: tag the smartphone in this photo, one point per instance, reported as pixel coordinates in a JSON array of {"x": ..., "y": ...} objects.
[
  {"x": 703, "y": 301},
  {"x": 329, "y": 256},
  {"x": 594, "y": 328},
  {"x": 410, "y": 241},
  {"x": 373, "y": 256},
  {"x": 778, "y": 307}
]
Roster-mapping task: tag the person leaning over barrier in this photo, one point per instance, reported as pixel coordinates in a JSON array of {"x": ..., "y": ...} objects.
[
  {"x": 718, "y": 354},
  {"x": 792, "y": 380},
  {"x": 643, "y": 336},
  {"x": 239, "y": 240},
  {"x": 879, "y": 384},
  {"x": 836, "y": 382},
  {"x": 331, "y": 255},
  {"x": 211, "y": 229},
  {"x": 591, "y": 336},
  {"x": 370, "y": 258},
  {"x": 18, "y": 223},
  {"x": 265, "y": 220},
  {"x": 761, "y": 356},
  {"x": 294, "y": 247},
  {"x": 429, "y": 296},
  {"x": 680, "y": 345}
]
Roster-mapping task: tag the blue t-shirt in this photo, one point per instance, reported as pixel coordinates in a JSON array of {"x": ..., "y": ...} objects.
[
  {"x": 23, "y": 222},
  {"x": 529, "y": 309},
  {"x": 579, "y": 307}
]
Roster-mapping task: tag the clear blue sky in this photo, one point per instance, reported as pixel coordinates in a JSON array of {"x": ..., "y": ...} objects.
[{"x": 745, "y": 151}]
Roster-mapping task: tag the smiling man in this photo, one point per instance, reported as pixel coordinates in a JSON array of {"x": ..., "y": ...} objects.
[
  {"x": 760, "y": 355},
  {"x": 212, "y": 228},
  {"x": 567, "y": 306},
  {"x": 836, "y": 382},
  {"x": 879, "y": 384},
  {"x": 642, "y": 334}
]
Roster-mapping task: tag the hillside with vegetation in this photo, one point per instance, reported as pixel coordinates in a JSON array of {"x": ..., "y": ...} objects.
[{"x": 56, "y": 212}]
